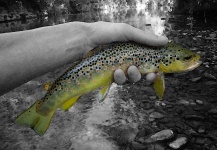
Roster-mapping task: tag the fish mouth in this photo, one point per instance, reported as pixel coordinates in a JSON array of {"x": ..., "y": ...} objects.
[{"x": 195, "y": 65}]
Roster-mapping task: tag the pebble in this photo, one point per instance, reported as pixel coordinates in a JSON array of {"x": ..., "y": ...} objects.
[
  {"x": 190, "y": 132},
  {"x": 183, "y": 102},
  {"x": 159, "y": 136},
  {"x": 163, "y": 104},
  {"x": 151, "y": 119},
  {"x": 195, "y": 79},
  {"x": 199, "y": 102},
  {"x": 178, "y": 142},
  {"x": 152, "y": 97},
  {"x": 209, "y": 76},
  {"x": 201, "y": 130},
  {"x": 156, "y": 115}
]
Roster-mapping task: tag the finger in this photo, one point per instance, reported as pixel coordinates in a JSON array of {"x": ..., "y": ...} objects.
[
  {"x": 150, "y": 77},
  {"x": 146, "y": 38},
  {"x": 133, "y": 73},
  {"x": 106, "y": 32},
  {"x": 119, "y": 76}
]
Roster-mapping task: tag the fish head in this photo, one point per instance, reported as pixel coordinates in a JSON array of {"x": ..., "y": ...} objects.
[{"x": 177, "y": 59}]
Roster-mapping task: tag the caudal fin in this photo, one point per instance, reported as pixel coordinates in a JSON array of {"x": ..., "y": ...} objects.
[{"x": 39, "y": 123}]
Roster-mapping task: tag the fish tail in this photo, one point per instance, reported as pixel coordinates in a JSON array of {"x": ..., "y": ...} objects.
[{"x": 38, "y": 122}]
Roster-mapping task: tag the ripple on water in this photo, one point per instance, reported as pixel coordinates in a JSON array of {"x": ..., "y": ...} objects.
[{"x": 91, "y": 136}]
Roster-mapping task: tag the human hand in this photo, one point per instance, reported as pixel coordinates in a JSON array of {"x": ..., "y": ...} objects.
[{"x": 106, "y": 32}]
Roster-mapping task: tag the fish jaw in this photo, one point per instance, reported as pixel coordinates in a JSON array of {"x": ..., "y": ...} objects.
[{"x": 195, "y": 63}]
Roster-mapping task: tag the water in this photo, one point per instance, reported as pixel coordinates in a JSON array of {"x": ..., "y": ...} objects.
[{"x": 110, "y": 125}]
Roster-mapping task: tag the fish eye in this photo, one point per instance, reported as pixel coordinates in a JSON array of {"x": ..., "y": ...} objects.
[{"x": 187, "y": 57}]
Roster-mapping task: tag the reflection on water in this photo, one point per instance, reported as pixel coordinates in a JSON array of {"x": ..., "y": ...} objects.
[{"x": 146, "y": 15}]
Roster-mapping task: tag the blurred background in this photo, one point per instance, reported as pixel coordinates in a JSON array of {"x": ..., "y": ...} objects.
[
  {"x": 131, "y": 117},
  {"x": 161, "y": 15}
]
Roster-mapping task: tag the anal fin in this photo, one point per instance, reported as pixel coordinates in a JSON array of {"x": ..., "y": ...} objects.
[
  {"x": 159, "y": 85},
  {"x": 103, "y": 93},
  {"x": 69, "y": 103}
]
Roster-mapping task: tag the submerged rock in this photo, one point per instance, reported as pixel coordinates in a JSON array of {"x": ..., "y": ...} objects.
[
  {"x": 159, "y": 136},
  {"x": 183, "y": 102},
  {"x": 178, "y": 142},
  {"x": 199, "y": 102},
  {"x": 156, "y": 115}
]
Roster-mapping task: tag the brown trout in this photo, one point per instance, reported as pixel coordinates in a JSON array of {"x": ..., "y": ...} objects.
[{"x": 97, "y": 69}]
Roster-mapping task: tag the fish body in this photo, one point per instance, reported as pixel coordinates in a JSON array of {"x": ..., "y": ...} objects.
[{"x": 96, "y": 70}]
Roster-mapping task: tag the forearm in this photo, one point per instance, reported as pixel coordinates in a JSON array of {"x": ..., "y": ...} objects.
[{"x": 26, "y": 55}]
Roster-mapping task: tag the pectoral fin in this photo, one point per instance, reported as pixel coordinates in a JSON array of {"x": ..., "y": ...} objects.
[
  {"x": 69, "y": 103},
  {"x": 103, "y": 93},
  {"x": 159, "y": 85}
]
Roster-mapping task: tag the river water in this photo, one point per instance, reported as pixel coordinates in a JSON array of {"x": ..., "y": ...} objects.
[{"x": 88, "y": 125}]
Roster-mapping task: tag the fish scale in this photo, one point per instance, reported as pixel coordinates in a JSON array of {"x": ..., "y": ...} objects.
[{"x": 96, "y": 70}]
